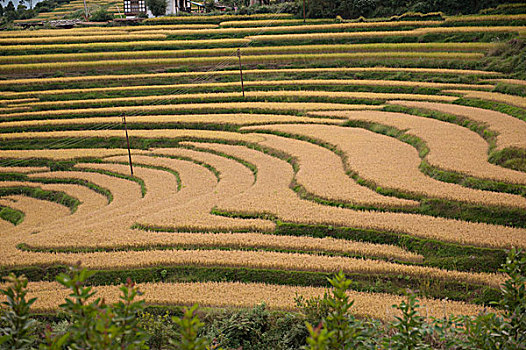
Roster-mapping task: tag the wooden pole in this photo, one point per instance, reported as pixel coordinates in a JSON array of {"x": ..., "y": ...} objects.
[
  {"x": 85, "y": 11},
  {"x": 303, "y": 11},
  {"x": 241, "y": 71},
  {"x": 128, "y": 143}
]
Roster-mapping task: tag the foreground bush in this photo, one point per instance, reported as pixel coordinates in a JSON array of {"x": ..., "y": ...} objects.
[{"x": 340, "y": 330}]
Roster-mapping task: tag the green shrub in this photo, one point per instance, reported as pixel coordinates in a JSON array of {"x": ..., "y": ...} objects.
[
  {"x": 17, "y": 331},
  {"x": 409, "y": 328},
  {"x": 157, "y": 7},
  {"x": 509, "y": 330},
  {"x": 339, "y": 329},
  {"x": 417, "y": 16},
  {"x": 101, "y": 15},
  {"x": 189, "y": 326},
  {"x": 95, "y": 325}
]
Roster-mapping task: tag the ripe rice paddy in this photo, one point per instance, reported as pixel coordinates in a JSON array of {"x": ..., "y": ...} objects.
[{"x": 349, "y": 149}]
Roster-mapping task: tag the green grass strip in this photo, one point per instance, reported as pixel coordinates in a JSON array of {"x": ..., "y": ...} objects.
[{"x": 11, "y": 215}]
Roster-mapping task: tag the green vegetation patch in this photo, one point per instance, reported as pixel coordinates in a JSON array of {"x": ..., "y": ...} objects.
[{"x": 11, "y": 215}]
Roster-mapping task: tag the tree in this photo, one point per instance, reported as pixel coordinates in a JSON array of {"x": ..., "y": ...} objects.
[
  {"x": 158, "y": 7},
  {"x": 10, "y": 11},
  {"x": 101, "y": 15},
  {"x": 339, "y": 329},
  {"x": 29, "y": 2}
]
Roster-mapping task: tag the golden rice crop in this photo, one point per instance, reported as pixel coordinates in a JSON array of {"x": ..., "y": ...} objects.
[
  {"x": 371, "y": 156},
  {"x": 58, "y": 32},
  {"x": 337, "y": 27},
  {"x": 485, "y": 18},
  {"x": 262, "y": 241},
  {"x": 259, "y": 50},
  {"x": 189, "y": 207},
  {"x": 518, "y": 101},
  {"x": 237, "y": 294},
  {"x": 508, "y": 81},
  {"x": 160, "y": 133},
  {"x": 233, "y": 119},
  {"x": 375, "y": 34},
  {"x": 166, "y": 27},
  {"x": 262, "y": 260},
  {"x": 100, "y": 30},
  {"x": 15, "y": 109},
  {"x": 306, "y": 82},
  {"x": 124, "y": 192},
  {"x": 5, "y": 226},
  {"x": 227, "y": 95},
  {"x": 18, "y": 100},
  {"x": 123, "y": 45},
  {"x": 351, "y": 95},
  {"x": 278, "y": 22},
  {"x": 321, "y": 172},
  {"x": 106, "y": 64},
  {"x": 125, "y": 195},
  {"x": 64, "y": 154},
  {"x": 271, "y": 194},
  {"x": 150, "y": 76},
  {"x": 215, "y": 19},
  {"x": 275, "y": 106},
  {"x": 452, "y": 147},
  {"x": 159, "y": 183},
  {"x": 22, "y": 169},
  {"x": 511, "y": 132},
  {"x": 77, "y": 39},
  {"x": 47, "y": 211},
  {"x": 90, "y": 200}
]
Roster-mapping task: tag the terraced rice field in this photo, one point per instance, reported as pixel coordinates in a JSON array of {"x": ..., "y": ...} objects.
[
  {"x": 371, "y": 148},
  {"x": 75, "y": 9}
]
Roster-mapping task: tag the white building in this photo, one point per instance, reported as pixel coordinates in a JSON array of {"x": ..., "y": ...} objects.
[
  {"x": 176, "y": 6},
  {"x": 134, "y": 7}
]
